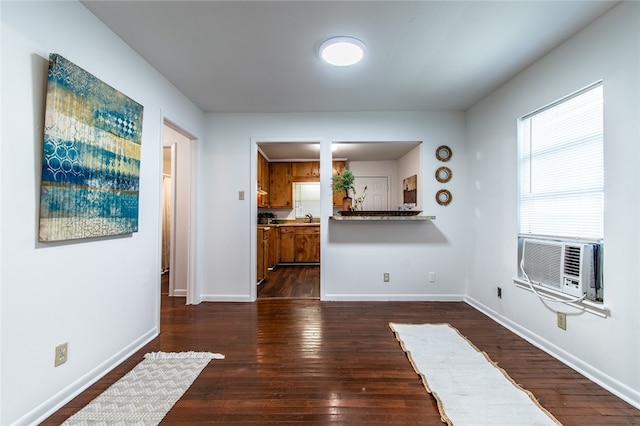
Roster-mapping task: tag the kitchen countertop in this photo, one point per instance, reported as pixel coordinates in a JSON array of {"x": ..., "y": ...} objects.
[{"x": 279, "y": 225}]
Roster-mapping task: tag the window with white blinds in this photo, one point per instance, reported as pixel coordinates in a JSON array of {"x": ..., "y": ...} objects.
[{"x": 561, "y": 168}]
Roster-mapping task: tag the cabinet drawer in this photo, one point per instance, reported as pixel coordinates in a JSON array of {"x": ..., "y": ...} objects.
[{"x": 307, "y": 230}]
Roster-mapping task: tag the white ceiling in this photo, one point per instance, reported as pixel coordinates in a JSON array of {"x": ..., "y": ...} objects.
[
  {"x": 353, "y": 151},
  {"x": 261, "y": 56}
]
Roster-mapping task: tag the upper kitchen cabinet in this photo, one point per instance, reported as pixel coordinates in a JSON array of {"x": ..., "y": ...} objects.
[
  {"x": 338, "y": 167},
  {"x": 304, "y": 171},
  {"x": 280, "y": 185},
  {"x": 263, "y": 181}
]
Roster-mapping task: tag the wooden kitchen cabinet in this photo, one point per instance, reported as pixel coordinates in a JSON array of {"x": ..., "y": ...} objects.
[
  {"x": 260, "y": 264},
  {"x": 263, "y": 181},
  {"x": 287, "y": 244},
  {"x": 299, "y": 244},
  {"x": 271, "y": 250},
  {"x": 280, "y": 185},
  {"x": 282, "y": 175},
  {"x": 306, "y": 169},
  {"x": 338, "y": 167},
  {"x": 267, "y": 256},
  {"x": 307, "y": 244}
]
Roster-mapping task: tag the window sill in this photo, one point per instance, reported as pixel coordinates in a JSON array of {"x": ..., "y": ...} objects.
[{"x": 594, "y": 308}]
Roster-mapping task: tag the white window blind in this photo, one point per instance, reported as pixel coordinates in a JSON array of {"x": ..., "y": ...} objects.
[{"x": 561, "y": 168}]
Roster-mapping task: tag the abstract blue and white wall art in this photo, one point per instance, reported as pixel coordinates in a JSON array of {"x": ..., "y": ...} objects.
[{"x": 91, "y": 157}]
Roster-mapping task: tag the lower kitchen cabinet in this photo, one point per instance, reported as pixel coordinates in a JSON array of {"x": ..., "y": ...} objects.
[
  {"x": 267, "y": 256},
  {"x": 271, "y": 254},
  {"x": 287, "y": 244},
  {"x": 299, "y": 244},
  {"x": 261, "y": 268},
  {"x": 307, "y": 244}
]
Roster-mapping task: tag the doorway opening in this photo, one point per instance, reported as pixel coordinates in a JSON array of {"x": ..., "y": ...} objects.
[
  {"x": 177, "y": 200},
  {"x": 288, "y": 219},
  {"x": 167, "y": 207}
]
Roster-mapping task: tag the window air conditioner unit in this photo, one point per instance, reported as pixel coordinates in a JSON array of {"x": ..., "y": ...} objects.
[{"x": 570, "y": 267}]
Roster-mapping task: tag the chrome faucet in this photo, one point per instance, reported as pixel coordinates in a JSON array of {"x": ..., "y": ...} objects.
[{"x": 309, "y": 216}]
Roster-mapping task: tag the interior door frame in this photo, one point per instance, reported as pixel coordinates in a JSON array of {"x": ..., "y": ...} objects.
[
  {"x": 253, "y": 223},
  {"x": 188, "y": 173}
]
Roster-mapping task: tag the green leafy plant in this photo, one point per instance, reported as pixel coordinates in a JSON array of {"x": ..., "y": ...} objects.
[{"x": 343, "y": 182}]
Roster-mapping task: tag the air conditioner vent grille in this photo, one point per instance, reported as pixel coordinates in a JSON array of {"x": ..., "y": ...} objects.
[
  {"x": 572, "y": 260},
  {"x": 571, "y": 267},
  {"x": 542, "y": 263}
]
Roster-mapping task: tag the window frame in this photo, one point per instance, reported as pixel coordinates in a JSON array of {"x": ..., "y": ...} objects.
[{"x": 597, "y": 237}]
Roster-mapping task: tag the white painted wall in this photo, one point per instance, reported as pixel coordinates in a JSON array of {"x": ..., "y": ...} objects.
[
  {"x": 387, "y": 168},
  {"x": 100, "y": 295},
  {"x": 408, "y": 251},
  {"x": 607, "y": 350},
  {"x": 409, "y": 165}
]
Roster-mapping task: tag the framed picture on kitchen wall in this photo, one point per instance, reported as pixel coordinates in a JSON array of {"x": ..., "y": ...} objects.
[
  {"x": 91, "y": 157},
  {"x": 410, "y": 189}
]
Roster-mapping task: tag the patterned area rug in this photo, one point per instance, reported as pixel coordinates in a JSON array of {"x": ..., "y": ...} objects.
[
  {"x": 470, "y": 388},
  {"x": 146, "y": 393}
]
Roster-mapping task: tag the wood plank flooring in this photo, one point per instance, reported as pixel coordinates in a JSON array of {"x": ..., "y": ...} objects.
[
  {"x": 299, "y": 281},
  {"x": 305, "y": 361}
]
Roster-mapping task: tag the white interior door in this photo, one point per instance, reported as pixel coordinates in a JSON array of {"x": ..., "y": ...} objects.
[{"x": 377, "y": 195}]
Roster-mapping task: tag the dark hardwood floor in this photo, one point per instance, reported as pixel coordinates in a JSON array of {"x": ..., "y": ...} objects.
[
  {"x": 294, "y": 360},
  {"x": 297, "y": 281}
]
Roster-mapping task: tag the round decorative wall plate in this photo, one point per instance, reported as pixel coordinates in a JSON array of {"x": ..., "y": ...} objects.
[
  {"x": 443, "y": 153},
  {"x": 443, "y": 174},
  {"x": 443, "y": 197}
]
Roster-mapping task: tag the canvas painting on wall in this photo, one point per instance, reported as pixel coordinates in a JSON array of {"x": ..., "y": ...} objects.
[{"x": 91, "y": 157}]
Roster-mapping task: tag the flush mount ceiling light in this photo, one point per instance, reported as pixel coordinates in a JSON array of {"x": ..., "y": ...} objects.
[{"x": 342, "y": 51}]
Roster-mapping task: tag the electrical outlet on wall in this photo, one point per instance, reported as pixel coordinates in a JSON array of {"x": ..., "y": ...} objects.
[
  {"x": 385, "y": 277},
  {"x": 62, "y": 351},
  {"x": 562, "y": 320}
]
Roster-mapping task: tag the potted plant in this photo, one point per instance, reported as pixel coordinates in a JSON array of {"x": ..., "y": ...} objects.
[
  {"x": 359, "y": 201},
  {"x": 343, "y": 182}
]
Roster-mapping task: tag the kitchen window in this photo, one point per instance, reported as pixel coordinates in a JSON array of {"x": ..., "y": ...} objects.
[{"x": 306, "y": 199}]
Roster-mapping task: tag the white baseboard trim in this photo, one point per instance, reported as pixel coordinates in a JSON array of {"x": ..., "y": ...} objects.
[
  {"x": 57, "y": 401},
  {"x": 392, "y": 297},
  {"x": 179, "y": 293},
  {"x": 620, "y": 390},
  {"x": 225, "y": 298}
]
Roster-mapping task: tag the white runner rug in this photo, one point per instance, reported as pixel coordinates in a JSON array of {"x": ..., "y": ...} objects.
[
  {"x": 470, "y": 389},
  {"x": 145, "y": 394}
]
